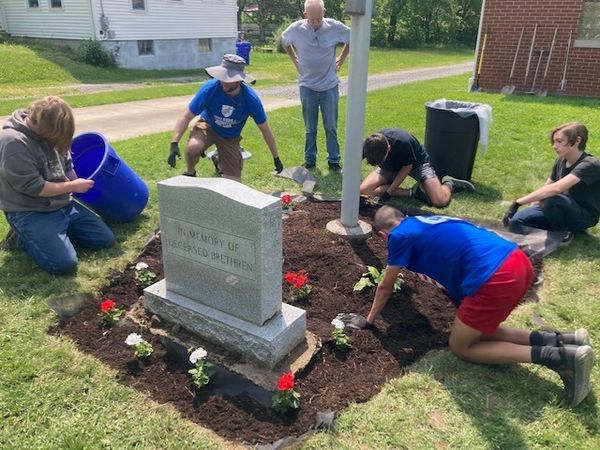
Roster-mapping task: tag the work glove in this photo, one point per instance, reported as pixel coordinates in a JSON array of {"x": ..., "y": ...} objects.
[
  {"x": 354, "y": 320},
  {"x": 384, "y": 198},
  {"x": 278, "y": 164},
  {"x": 512, "y": 210},
  {"x": 173, "y": 154}
]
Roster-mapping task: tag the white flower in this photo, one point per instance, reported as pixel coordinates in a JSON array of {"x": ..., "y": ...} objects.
[
  {"x": 197, "y": 354},
  {"x": 134, "y": 339},
  {"x": 337, "y": 323},
  {"x": 141, "y": 265}
]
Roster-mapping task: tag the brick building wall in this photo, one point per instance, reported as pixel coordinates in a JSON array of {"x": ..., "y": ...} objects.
[{"x": 503, "y": 21}]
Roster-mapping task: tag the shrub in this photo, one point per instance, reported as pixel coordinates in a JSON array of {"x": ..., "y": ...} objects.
[
  {"x": 277, "y": 34},
  {"x": 92, "y": 52}
]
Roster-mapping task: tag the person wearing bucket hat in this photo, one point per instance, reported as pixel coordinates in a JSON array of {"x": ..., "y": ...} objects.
[
  {"x": 311, "y": 45},
  {"x": 36, "y": 182},
  {"x": 222, "y": 106}
]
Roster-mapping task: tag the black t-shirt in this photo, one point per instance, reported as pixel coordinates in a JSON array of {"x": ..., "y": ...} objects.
[
  {"x": 587, "y": 192},
  {"x": 405, "y": 149}
]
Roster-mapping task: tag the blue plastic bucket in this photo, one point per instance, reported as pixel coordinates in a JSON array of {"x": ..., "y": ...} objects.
[
  {"x": 119, "y": 194},
  {"x": 242, "y": 48}
]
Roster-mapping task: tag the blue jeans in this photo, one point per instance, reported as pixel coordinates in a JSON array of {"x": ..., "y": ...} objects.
[
  {"x": 558, "y": 213},
  {"x": 48, "y": 237},
  {"x": 328, "y": 102}
]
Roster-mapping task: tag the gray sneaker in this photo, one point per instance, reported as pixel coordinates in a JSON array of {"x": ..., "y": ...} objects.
[
  {"x": 10, "y": 242},
  {"x": 577, "y": 337},
  {"x": 578, "y": 363},
  {"x": 457, "y": 185}
]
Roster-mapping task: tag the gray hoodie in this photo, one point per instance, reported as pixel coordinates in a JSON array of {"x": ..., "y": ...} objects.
[{"x": 27, "y": 161}]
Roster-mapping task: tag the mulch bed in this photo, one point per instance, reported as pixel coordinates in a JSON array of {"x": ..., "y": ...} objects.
[{"x": 417, "y": 319}]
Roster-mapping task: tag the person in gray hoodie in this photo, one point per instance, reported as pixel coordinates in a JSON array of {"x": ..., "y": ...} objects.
[{"x": 36, "y": 182}]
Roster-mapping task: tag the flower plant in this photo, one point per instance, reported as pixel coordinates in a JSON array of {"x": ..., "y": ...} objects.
[
  {"x": 143, "y": 349},
  {"x": 144, "y": 277},
  {"x": 373, "y": 277},
  {"x": 203, "y": 371},
  {"x": 286, "y": 399},
  {"x": 287, "y": 202},
  {"x": 109, "y": 313},
  {"x": 338, "y": 336},
  {"x": 298, "y": 282}
]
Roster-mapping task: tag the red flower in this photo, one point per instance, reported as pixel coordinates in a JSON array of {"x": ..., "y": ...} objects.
[
  {"x": 286, "y": 199},
  {"x": 300, "y": 281},
  {"x": 290, "y": 277},
  {"x": 107, "y": 305},
  {"x": 286, "y": 382}
]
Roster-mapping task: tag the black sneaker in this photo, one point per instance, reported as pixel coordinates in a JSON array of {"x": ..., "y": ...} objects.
[
  {"x": 309, "y": 165},
  {"x": 578, "y": 362},
  {"x": 10, "y": 242},
  {"x": 457, "y": 185},
  {"x": 567, "y": 239},
  {"x": 335, "y": 167},
  {"x": 419, "y": 194},
  {"x": 189, "y": 174},
  {"x": 215, "y": 159}
]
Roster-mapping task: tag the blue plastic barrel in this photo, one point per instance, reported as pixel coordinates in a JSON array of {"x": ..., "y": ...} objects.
[
  {"x": 242, "y": 48},
  {"x": 119, "y": 194}
]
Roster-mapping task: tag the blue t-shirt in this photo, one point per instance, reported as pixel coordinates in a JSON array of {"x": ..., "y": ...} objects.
[
  {"x": 225, "y": 114},
  {"x": 455, "y": 253}
]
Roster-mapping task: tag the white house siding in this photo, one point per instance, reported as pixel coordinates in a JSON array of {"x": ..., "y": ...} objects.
[
  {"x": 170, "y": 19},
  {"x": 174, "y": 27},
  {"x": 72, "y": 21}
]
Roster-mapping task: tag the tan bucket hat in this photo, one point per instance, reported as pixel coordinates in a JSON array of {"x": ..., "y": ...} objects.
[{"x": 230, "y": 70}]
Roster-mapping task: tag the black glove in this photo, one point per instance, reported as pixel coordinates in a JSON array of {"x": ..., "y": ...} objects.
[
  {"x": 354, "y": 320},
  {"x": 512, "y": 210},
  {"x": 278, "y": 164},
  {"x": 384, "y": 198},
  {"x": 173, "y": 153}
]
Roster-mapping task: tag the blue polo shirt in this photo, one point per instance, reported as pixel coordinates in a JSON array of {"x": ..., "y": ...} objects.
[
  {"x": 455, "y": 253},
  {"x": 225, "y": 114}
]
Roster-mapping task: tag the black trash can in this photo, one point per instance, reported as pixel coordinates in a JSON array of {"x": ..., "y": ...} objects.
[{"x": 451, "y": 137}]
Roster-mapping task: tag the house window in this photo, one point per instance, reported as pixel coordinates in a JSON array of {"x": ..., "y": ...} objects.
[
  {"x": 138, "y": 5},
  {"x": 56, "y": 3},
  {"x": 590, "y": 21},
  {"x": 33, "y": 3},
  {"x": 204, "y": 45},
  {"x": 145, "y": 48}
]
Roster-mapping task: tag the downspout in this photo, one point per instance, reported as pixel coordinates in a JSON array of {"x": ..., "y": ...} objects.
[
  {"x": 93, "y": 19},
  {"x": 472, "y": 79}
]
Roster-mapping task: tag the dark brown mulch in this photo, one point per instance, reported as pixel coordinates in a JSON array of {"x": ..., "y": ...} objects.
[{"x": 416, "y": 320}]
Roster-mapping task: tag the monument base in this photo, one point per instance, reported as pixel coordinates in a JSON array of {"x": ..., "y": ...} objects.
[{"x": 265, "y": 345}]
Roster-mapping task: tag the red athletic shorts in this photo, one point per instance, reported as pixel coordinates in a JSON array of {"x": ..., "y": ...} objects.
[{"x": 499, "y": 295}]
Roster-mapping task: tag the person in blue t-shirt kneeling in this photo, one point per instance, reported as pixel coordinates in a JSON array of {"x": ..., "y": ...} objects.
[
  {"x": 486, "y": 276},
  {"x": 223, "y": 106}
]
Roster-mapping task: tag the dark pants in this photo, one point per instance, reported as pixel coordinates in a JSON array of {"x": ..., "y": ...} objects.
[
  {"x": 48, "y": 237},
  {"x": 558, "y": 213}
]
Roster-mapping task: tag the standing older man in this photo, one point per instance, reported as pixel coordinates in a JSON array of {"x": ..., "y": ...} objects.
[
  {"x": 311, "y": 45},
  {"x": 223, "y": 106}
]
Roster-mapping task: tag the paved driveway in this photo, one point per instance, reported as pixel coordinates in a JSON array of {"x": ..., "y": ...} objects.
[{"x": 125, "y": 120}]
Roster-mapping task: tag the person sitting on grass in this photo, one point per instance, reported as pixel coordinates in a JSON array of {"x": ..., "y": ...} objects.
[
  {"x": 570, "y": 199},
  {"x": 36, "y": 182},
  {"x": 487, "y": 276},
  {"x": 223, "y": 106},
  {"x": 398, "y": 155}
]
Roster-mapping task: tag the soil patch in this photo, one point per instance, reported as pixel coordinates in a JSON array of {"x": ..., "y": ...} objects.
[{"x": 416, "y": 320}]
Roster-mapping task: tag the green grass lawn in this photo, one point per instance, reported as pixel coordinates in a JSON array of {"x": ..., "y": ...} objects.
[
  {"x": 53, "y": 396},
  {"x": 32, "y": 71}
]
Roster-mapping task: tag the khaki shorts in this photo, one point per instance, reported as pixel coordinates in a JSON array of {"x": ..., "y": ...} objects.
[{"x": 230, "y": 156}]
